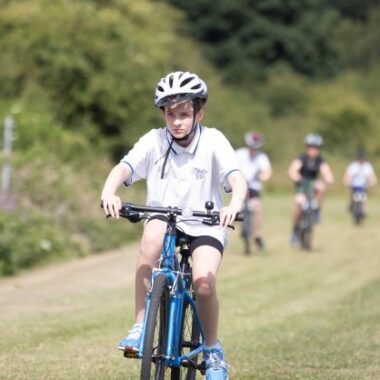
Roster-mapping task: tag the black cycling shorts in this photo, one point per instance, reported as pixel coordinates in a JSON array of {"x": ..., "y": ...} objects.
[
  {"x": 252, "y": 193},
  {"x": 193, "y": 241}
]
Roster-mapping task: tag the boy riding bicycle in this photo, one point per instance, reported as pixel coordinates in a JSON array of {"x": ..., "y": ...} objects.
[
  {"x": 360, "y": 175},
  {"x": 184, "y": 165},
  {"x": 256, "y": 168},
  {"x": 304, "y": 172}
]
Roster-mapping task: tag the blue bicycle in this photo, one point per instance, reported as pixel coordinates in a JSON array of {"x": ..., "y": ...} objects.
[{"x": 172, "y": 337}]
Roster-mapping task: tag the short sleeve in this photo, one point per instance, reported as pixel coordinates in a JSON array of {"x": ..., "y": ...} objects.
[
  {"x": 264, "y": 162},
  {"x": 370, "y": 170},
  {"x": 350, "y": 171},
  {"x": 138, "y": 157},
  {"x": 225, "y": 158}
]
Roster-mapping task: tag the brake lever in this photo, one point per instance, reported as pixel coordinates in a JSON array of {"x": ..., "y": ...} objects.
[{"x": 215, "y": 222}]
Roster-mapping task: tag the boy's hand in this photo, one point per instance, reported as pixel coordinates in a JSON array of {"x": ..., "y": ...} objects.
[
  {"x": 112, "y": 205},
  {"x": 228, "y": 214}
]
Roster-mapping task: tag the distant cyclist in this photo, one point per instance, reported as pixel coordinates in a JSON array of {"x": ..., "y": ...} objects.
[
  {"x": 304, "y": 171},
  {"x": 360, "y": 175},
  {"x": 256, "y": 169}
]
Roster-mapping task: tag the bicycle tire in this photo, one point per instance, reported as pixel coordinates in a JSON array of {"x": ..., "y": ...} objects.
[
  {"x": 189, "y": 339},
  {"x": 246, "y": 230},
  {"x": 357, "y": 212},
  {"x": 306, "y": 230},
  {"x": 157, "y": 318},
  {"x": 306, "y": 239}
]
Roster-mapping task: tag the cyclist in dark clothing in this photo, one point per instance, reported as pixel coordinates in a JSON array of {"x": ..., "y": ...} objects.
[{"x": 304, "y": 172}]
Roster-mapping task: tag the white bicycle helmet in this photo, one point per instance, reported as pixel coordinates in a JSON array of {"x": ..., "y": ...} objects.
[
  {"x": 254, "y": 140},
  {"x": 313, "y": 139},
  {"x": 179, "y": 87}
]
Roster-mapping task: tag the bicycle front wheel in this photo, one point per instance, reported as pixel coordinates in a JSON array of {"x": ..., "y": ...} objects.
[
  {"x": 306, "y": 230},
  {"x": 189, "y": 340},
  {"x": 153, "y": 364},
  {"x": 357, "y": 212}
]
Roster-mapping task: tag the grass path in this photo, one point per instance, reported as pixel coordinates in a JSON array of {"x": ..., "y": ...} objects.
[{"x": 284, "y": 315}]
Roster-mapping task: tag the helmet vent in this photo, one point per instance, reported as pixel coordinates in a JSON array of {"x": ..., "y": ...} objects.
[
  {"x": 196, "y": 86},
  {"x": 159, "y": 88},
  {"x": 186, "y": 81},
  {"x": 171, "y": 80}
]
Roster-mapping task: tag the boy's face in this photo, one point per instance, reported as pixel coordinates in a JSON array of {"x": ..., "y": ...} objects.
[
  {"x": 179, "y": 118},
  {"x": 312, "y": 151}
]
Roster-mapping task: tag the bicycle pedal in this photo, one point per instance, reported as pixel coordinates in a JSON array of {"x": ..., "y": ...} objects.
[
  {"x": 131, "y": 354},
  {"x": 202, "y": 368}
]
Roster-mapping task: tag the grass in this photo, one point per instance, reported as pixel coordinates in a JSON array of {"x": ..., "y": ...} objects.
[{"x": 284, "y": 315}]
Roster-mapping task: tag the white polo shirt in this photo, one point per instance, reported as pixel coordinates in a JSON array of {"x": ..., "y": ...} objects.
[
  {"x": 193, "y": 174},
  {"x": 251, "y": 166},
  {"x": 359, "y": 173}
]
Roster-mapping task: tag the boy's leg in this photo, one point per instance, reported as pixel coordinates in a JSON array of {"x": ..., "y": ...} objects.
[
  {"x": 320, "y": 190},
  {"x": 150, "y": 250},
  {"x": 256, "y": 207},
  {"x": 206, "y": 261},
  {"x": 299, "y": 200}
]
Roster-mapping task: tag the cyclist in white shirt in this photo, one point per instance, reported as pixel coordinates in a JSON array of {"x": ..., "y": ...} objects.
[
  {"x": 256, "y": 169},
  {"x": 359, "y": 176},
  {"x": 184, "y": 165}
]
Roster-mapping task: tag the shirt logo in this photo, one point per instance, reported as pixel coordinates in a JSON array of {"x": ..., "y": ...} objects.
[{"x": 199, "y": 173}]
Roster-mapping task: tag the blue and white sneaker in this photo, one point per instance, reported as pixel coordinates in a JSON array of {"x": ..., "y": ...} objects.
[
  {"x": 216, "y": 367},
  {"x": 133, "y": 340},
  {"x": 317, "y": 216},
  {"x": 293, "y": 238}
]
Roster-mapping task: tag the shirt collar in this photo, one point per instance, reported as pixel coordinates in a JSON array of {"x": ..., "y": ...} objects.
[{"x": 191, "y": 148}]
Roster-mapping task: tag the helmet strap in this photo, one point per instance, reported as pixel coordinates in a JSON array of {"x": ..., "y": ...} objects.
[{"x": 178, "y": 139}]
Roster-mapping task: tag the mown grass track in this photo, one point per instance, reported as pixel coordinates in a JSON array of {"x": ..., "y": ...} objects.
[{"x": 284, "y": 315}]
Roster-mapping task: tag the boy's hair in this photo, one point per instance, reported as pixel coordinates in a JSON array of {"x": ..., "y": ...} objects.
[{"x": 198, "y": 104}]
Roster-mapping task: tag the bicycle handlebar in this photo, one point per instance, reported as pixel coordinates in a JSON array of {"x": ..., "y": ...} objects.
[
  {"x": 135, "y": 213},
  {"x": 187, "y": 213}
]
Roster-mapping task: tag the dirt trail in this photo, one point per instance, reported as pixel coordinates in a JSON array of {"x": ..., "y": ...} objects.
[{"x": 29, "y": 292}]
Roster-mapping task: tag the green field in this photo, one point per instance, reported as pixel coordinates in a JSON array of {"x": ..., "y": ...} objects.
[{"x": 284, "y": 314}]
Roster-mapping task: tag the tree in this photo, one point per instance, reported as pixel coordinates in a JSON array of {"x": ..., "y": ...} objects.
[{"x": 247, "y": 38}]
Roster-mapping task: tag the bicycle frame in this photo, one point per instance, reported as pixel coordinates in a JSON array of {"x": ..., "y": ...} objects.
[{"x": 179, "y": 293}]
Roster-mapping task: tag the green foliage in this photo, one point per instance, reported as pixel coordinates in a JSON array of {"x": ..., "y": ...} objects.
[
  {"x": 56, "y": 185},
  {"x": 247, "y": 38},
  {"x": 357, "y": 41},
  {"x": 29, "y": 240},
  {"x": 90, "y": 62}
]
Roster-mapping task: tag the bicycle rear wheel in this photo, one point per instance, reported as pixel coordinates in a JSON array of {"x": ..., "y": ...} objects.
[
  {"x": 156, "y": 332},
  {"x": 189, "y": 340}
]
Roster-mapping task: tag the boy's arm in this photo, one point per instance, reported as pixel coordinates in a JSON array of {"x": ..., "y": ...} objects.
[
  {"x": 112, "y": 203},
  {"x": 265, "y": 174},
  {"x": 294, "y": 170},
  {"x": 239, "y": 190},
  {"x": 327, "y": 173},
  {"x": 372, "y": 180}
]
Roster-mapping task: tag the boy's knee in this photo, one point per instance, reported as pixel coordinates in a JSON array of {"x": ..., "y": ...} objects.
[
  {"x": 151, "y": 245},
  {"x": 205, "y": 287},
  {"x": 320, "y": 187},
  {"x": 299, "y": 199}
]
